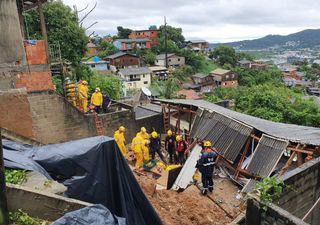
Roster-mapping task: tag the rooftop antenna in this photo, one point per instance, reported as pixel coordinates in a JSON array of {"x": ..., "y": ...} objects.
[{"x": 165, "y": 41}]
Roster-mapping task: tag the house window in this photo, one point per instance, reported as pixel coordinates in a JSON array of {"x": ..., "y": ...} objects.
[
  {"x": 143, "y": 76},
  {"x": 225, "y": 84},
  {"x": 232, "y": 75},
  {"x": 93, "y": 66},
  {"x": 179, "y": 59},
  {"x": 169, "y": 60},
  {"x": 227, "y": 76},
  {"x": 146, "y": 82},
  {"x": 151, "y": 32}
]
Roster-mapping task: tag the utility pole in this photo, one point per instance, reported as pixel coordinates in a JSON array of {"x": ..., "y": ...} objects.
[
  {"x": 165, "y": 41},
  {"x": 4, "y": 218}
]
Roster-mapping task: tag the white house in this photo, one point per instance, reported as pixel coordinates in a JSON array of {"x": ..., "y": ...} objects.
[
  {"x": 173, "y": 60},
  {"x": 135, "y": 78}
]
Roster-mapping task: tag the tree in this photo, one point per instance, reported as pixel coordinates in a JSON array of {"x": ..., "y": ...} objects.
[
  {"x": 167, "y": 88},
  {"x": 111, "y": 85},
  {"x": 173, "y": 33},
  {"x": 123, "y": 32},
  {"x": 62, "y": 27},
  {"x": 224, "y": 55},
  {"x": 244, "y": 55},
  {"x": 148, "y": 56},
  {"x": 106, "y": 48}
]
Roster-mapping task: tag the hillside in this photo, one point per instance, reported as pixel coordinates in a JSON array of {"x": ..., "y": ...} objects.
[{"x": 304, "y": 39}]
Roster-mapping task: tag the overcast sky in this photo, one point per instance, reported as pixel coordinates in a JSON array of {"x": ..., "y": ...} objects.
[{"x": 213, "y": 20}]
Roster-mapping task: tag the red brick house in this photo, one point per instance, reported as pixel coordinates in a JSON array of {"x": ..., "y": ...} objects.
[
  {"x": 152, "y": 33},
  {"x": 122, "y": 60},
  {"x": 224, "y": 78}
]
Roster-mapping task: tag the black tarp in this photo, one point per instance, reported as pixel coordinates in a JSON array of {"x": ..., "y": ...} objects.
[
  {"x": 91, "y": 215},
  {"x": 93, "y": 169}
]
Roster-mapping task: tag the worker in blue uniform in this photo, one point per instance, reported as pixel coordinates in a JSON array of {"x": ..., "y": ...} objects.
[{"x": 206, "y": 167}]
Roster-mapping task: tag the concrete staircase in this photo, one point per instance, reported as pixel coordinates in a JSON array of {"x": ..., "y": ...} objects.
[{"x": 56, "y": 120}]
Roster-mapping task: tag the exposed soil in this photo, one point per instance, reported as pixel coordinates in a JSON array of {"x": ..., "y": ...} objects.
[{"x": 189, "y": 207}]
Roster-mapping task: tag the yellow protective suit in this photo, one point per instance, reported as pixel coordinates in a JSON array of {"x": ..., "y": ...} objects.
[
  {"x": 136, "y": 147},
  {"x": 96, "y": 99},
  {"x": 119, "y": 137},
  {"x": 83, "y": 97},
  {"x": 145, "y": 148}
]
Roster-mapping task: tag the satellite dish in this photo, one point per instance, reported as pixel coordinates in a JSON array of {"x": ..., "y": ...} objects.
[{"x": 146, "y": 91}]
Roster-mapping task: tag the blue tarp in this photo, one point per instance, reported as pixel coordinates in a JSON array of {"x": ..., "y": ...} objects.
[{"x": 93, "y": 169}]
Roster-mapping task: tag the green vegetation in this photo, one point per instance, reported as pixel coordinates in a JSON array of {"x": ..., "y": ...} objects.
[
  {"x": 106, "y": 48},
  {"x": 167, "y": 88},
  {"x": 62, "y": 26},
  {"x": 21, "y": 218},
  {"x": 123, "y": 33},
  {"x": 269, "y": 190},
  {"x": 111, "y": 85},
  {"x": 15, "y": 176},
  {"x": 249, "y": 77},
  {"x": 58, "y": 83}
]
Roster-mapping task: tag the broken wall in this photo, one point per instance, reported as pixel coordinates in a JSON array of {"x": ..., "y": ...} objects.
[
  {"x": 39, "y": 204},
  {"x": 273, "y": 215},
  {"x": 303, "y": 191},
  {"x": 55, "y": 120},
  {"x": 15, "y": 112}
]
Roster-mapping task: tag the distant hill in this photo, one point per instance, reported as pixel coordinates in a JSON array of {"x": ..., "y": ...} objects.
[{"x": 304, "y": 39}]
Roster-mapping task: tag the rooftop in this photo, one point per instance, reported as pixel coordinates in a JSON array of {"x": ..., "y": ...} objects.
[
  {"x": 157, "y": 68},
  {"x": 119, "y": 54},
  {"x": 220, "y": 71},
  {"x": 133, "y": 40},
  {"x": 197, "y": 41},
  {"x": 134, "y": 71},
  {"x": 190, "y": 94},
  {"x": 244, "y": 61},
  {"x": 290, "y": 132},
  {"x": 200, "y": 75}
]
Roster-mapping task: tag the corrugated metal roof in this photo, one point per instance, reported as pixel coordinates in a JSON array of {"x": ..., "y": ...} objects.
[
  {"x": 249, "y": 187},
  {"x": 291, "y": 132},
  {"x": 266, "y": 155},
  {"x": 227, "y": 135}
]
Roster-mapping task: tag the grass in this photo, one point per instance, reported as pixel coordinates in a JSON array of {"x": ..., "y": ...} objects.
[
  {"x": 208, "y": 66},
  {"x": 15, "y": 176},
  {"x": 21, "y": 218}
]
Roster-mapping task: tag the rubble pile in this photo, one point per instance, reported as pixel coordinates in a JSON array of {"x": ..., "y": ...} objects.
[{"x": 189, "y": 207}]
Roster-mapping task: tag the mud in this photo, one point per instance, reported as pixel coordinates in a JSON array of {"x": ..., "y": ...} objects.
[{"x": 191, "y": 208}]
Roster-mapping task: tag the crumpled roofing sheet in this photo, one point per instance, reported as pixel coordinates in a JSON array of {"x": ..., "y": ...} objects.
[
  {"x": 290, "y": 132},
  {"x": 266, "y": 155},
  {"x": 227, "y": 135}
]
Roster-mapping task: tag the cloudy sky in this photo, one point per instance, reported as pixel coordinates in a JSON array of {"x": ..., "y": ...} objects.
[{"x": 213, "y": 20}]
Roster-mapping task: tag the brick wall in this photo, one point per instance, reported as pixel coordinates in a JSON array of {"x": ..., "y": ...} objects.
[
  {"x": 35, "y": 81},
  {"x": 15, "y": 113},
  {"x": 303, "y": 191},
  {"x": 56, "y": 120},
  {"x": 36, "y": 53}
]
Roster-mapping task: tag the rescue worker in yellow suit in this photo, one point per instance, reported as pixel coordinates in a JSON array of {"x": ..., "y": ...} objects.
[
  {"x": 97, "y": 100},
  {"x": 120, "y": 139},
  {"x": 83, "y": 96},
  {"x": 136, "y": 146},
  {"x": 145, "y": 149}
]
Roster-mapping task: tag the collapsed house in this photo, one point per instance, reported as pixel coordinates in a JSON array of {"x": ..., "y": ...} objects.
[{"x": 249, "y": 148}]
